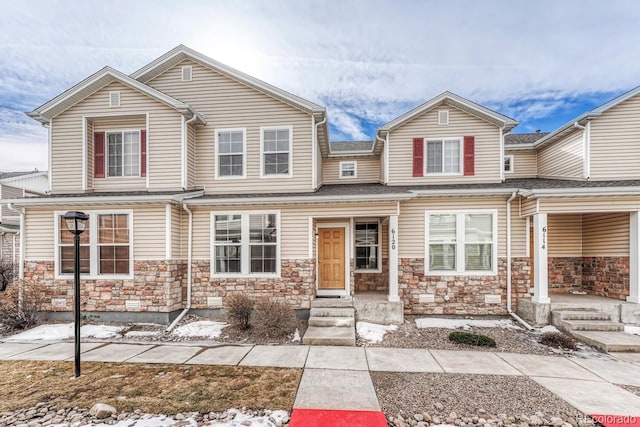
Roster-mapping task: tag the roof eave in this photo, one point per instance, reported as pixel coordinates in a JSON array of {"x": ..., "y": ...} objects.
[
  {"x": 299, "y": 199},
  {"x": 97, "y": 200},
  {"x": 579, "y": 192}
]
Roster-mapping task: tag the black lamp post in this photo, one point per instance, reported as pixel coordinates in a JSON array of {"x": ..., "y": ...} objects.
[{"x": 76, "y": 223}]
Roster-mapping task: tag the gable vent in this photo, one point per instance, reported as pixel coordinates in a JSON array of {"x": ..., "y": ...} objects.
[
  {"x": 443, "y": 117},
  {"x": 114, "y": 98},
  {"x": 186, "y": 73}
]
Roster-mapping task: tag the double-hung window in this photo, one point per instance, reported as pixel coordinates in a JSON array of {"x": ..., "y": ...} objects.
[
  {"x": 276, "y": 151},
  {"x": 461, "y": 242},
  {"x": 443, "y": 156},
  {"x": 245, "y": 243},
  {"x": 367, "y": 245},
  {"x": 508, "y": 164},
  {"x": 230, "y": 145},
  {"x": 348, "y": 169},
  {"x": 105, "y": 245},
  {"x": 123, "y": 153}
]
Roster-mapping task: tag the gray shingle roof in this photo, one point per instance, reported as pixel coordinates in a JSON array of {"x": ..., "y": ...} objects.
[
  {"x": 346, "y": 146},
  {"x": 524, "y": 138},
  {"x": 4, "y": 175}
]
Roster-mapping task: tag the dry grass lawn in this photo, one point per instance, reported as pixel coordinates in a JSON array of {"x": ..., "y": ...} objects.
[{"x": 166, "y": 389}]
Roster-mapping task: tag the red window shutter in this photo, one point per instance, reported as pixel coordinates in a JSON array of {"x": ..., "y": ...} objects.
[
  {"x": 418, "y": 156},
  {"x": 98, "y": 155},
  {"x": 469, "y": 155},
  {"x": 143, "y": 153}
]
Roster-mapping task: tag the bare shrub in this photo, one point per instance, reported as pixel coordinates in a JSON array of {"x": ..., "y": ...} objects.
[
  {"x": 20, "y": 305},
  {"x": 7, "y": 274},
  {"x": 273, "y": 318},
  {"x": 239, "y": 309},
  {"x": 558, "y": 340}
]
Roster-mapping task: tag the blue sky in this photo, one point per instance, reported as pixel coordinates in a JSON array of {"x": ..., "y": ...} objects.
[{"x": 541, "y": 62}]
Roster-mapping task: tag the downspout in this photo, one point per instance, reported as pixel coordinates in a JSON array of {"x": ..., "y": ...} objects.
[
  {"x": 314, "y": 153},
  {"x": 509, "y": 310},
  {"x": 21, "y": 264},
  {"x": 189, "y": 259}
]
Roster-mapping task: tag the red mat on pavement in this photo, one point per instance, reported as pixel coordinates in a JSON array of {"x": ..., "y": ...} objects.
[
  {"x": 336, "y": 418},
  {"x": 616, "y": 420}
]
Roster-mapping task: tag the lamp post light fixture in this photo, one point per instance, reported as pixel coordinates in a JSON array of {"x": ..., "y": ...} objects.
[{"x": 76, "y": 223}]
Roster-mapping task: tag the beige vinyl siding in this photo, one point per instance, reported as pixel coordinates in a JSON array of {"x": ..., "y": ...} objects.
[
  {"x": 381, "y": 167},
  {"x": 367, "y": 170},
  {"x": 605, "y": 234},
  {"x": 89, "y": 146},
  {"x": 191, "y": 156},
  {"x": 562, "y": 159},
  {"x": 148, "y": 231},
  {"x": 411, "y": 222},
  {"x": 178, "y": 233},
  {"x": 593, "y": 204},
  {"x": 525, "y": 164},
  {"x": 294, "y": 222},
  {"x": 487, "y": 148},
  {"x": 9, "y": 192},
  {"x": 528, "y": 207},
  {"x": 565, "y": 235},
  {"x": 615, "y": 142},
  {"x": 227, "y": 103},
  {"x": 519, "y": 232},
  {"x": 319, "y": 166},
  {"x": 163, "y": 139}
]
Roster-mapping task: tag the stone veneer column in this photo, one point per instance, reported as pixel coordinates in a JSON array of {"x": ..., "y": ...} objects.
[
  {"x": 634, "y": 257},
  {"x": 393, "y": 258},
  {"x": 541, "y": 270}
]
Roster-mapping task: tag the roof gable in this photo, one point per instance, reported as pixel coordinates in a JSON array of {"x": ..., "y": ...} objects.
[
  {"x": 94, "y": 83},
  {"x": 454, "y": 101}
]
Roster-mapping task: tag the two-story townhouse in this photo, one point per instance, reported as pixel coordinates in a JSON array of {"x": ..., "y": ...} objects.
[{"x": 201, "y": 181}]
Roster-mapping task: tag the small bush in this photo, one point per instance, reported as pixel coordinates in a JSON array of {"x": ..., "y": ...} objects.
[
  {"x": 20, "y": 305},
  {"x": 558, "y": 340},
  {"x": 274, "y": 319},
  {"x": 7, "y": 274},
  {"x": 239, "y": 309},
  {"x": 471, "y": 339}
]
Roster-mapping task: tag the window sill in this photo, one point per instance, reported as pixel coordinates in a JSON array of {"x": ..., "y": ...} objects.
[
  {"x": 245, "y": 276},
  {"x": 276, "y": 176},
  {"x": 443, "y": 174},
  {"x": 368, "y": 270},
  {"x": 98, "y": 277},
  {"x": 232, "y": 177},
  {"x": 460, "y": 273}
]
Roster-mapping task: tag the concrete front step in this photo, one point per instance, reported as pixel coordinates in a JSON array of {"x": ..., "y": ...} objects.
[
  {"x": 560, "y": 315},
  {"x": 332, "y": 312},
  {"x": 342, "y": 322},
  {"x": 331, "y": 303},
  {"x": 609, "y": 341},
  {"x": 329, "y": 335},
  {"x": 591, "y": 325}
]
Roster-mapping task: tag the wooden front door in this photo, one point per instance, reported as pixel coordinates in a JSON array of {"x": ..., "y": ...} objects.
[{"x": 331, "y": 258}]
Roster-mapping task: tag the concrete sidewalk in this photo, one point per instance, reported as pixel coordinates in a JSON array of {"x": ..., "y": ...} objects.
[{"x": 338, "y": 377}]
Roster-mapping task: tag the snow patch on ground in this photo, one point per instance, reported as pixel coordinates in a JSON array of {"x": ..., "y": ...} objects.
[
  {"x": 151, "y": 421},
  {"x": 237, "y": 419},
  {"x": 373, "y": 332},
  {"x": 438, "y": 322},
  {"x": 296, "y": 336},
  {"x": 64, "y": 331},
  {"x": 634, "y": 330},
  {"x": 203, "y": 328},
  {"x": 142, "y": 334},
  {"x": 548, "y": 328}
]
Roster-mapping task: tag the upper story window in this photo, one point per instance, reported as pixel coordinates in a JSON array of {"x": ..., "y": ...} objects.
[
  {"x": 461, "y": 242},
  {"x": 508, "y": 164},
  {"x": 276, "y": 151},
  {"x": 231, "y": 158},
  {"x": 348, "y": 169},
  {"x": 245, "y": 243},
  {"x": 105, "y": 246},
  {"x": 443, "y": 117},
  {"x": 187, "y": 73},
  {"x": 444, "y": 156},
  {"x": 123, "y": 153}
]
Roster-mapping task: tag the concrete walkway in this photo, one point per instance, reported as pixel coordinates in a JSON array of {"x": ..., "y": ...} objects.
[{"x": 338, "y": 377}]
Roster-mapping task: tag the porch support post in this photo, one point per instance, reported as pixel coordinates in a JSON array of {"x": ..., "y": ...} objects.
[
  {"x": 541, "y": 269},
  {"x": 634, "y": 257},
  {"x": 393, "y": 258}
]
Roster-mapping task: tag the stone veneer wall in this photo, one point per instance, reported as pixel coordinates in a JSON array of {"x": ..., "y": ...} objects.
[
  {"x": 296, "y": 284},
  {"x": 466, "y": 294},
  {"x": 370, "y": 282},
  {"x": 565, "y": 274},
  {"x": 157, "y": 285},
  {"x": 606, "y": 276},
  {"x": 6, "y": 240}
]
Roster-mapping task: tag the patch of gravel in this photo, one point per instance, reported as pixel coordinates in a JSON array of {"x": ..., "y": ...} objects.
[
  {"x": 408, "y": 335},
  {"x": 631, "y": 388},
  {"x": 457, "y": 399}
]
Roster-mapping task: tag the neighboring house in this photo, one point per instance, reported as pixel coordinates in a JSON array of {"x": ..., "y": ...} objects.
[
  {"x": 16, "y": 185},
  {"x": 200, "y": 180}
]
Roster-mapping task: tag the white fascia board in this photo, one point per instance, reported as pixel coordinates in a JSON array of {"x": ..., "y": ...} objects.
[
  {"x": 299, "y": 200},
  {"x": 153, "y": 198},
  {"x": 565, "y": 129},
  {"x": 519, "y": 147},
  {"x": 581, "y": 192},
  {"x": 464, "y": 192}
]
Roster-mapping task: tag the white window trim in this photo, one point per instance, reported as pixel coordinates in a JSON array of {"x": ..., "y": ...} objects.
[
  {"x": 368, "y": 270},
  {"x": 244, "y": 153},
  {"x": 460, "y": 243},
  {"x": 106, "y": 154},
  {"x": 113, "y": 93},
  {"x": 183, "y": 69},
  {"x": 461, "y": 160},
  {"x": 280, "y": 175},
  {"x": 93, "y": 246},
  {"x": 511, "y": 168},
  {"x": 446, "y": 122},
  {"x": 244, "y": 260},
  {"x": 355, "y": 169}
]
